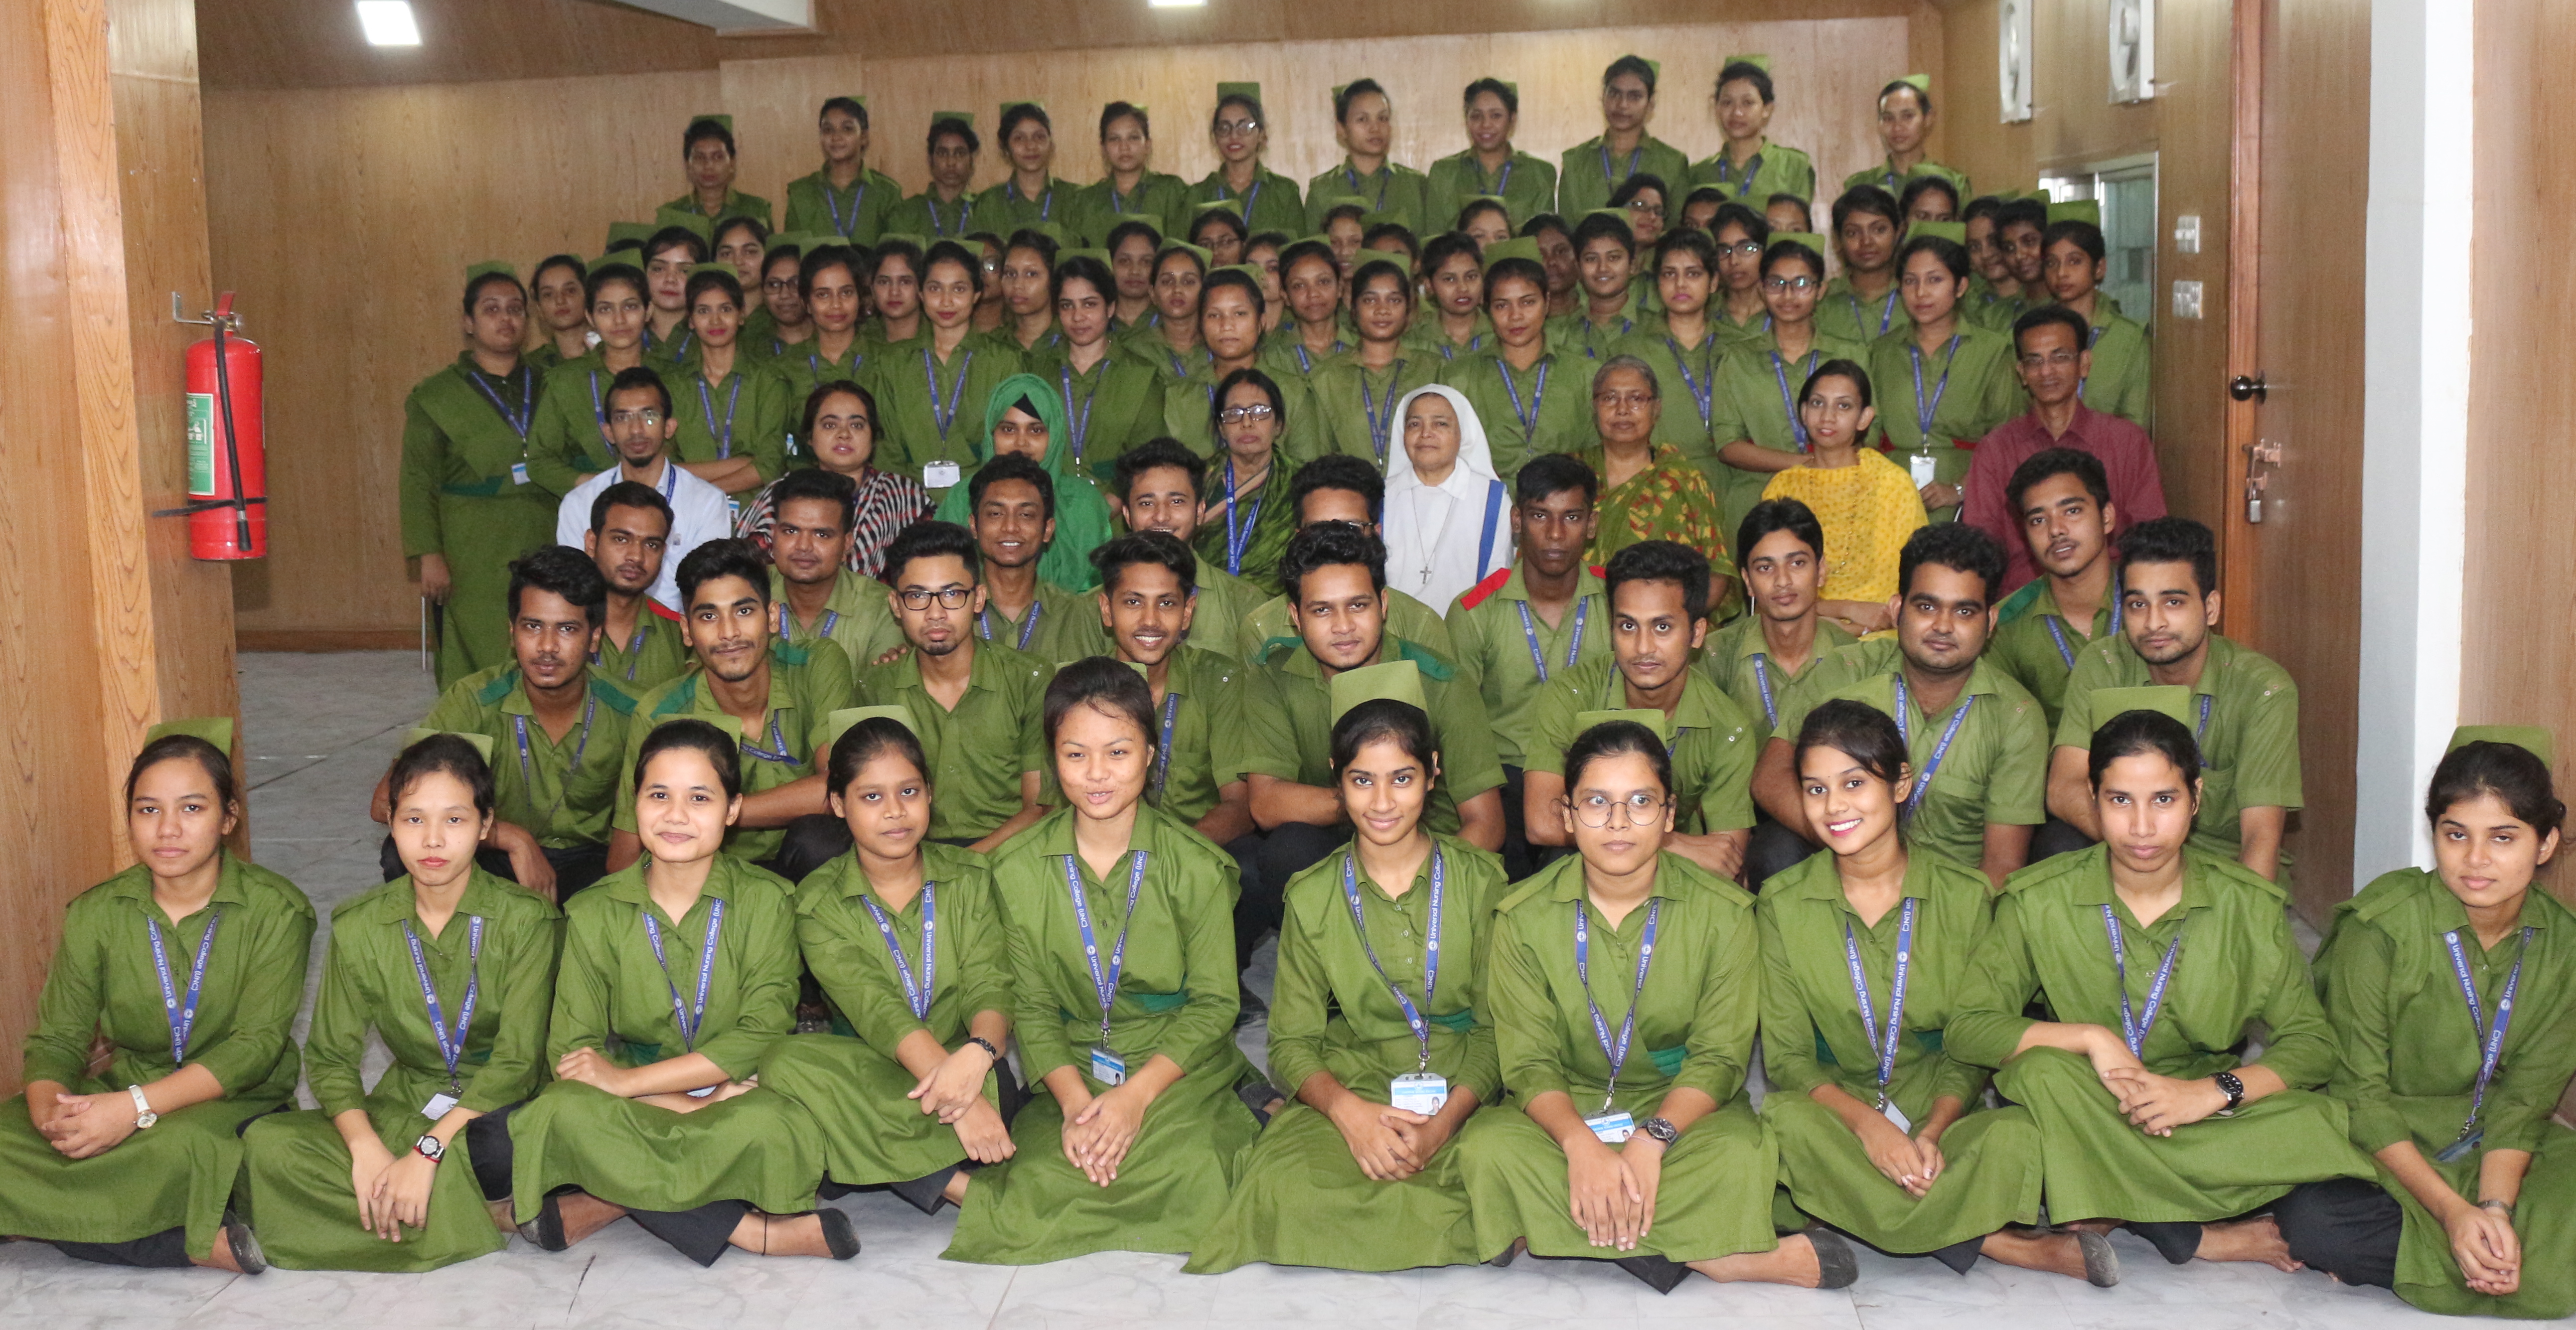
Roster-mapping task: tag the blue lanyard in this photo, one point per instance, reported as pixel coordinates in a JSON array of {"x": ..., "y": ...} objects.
[
  {"x": 1028, "y": 626},
  {"x": 1886, "y": 312},
  {"x": 1078, "y": 425},
  {"x": 833, "y": 205},
  {"x": 1413, "y": 1018},
  {"x": 2133, "y": 1031},
  {"x": 1163, "y": 751},
  {"x": 787, "y": 623},
  {"x": 1379, "y": 439},
  {"x": 2066, "y": 650},
  {"x": 1251, "y": 197},
  {"x": 707, "y": 408},
  {"x": 1538, "y": 397},
  {"x": 1704, "y": 395},
  {"x": 634, "y": 657},
  {"x": 1762, "y": 682},
  {"x": 1237, "y": 541},
  {"x": 1385, "y": 177},
  {"x": 1306, "y": 361},
  {"x": 1633, "y": 154},
  {"x": 689, "y": 1018},
  {"x": 1940, "y": 751},
  {"x": 917, "y": 999},
  {"x": 1501, "y": 182},
  {"x": 518, "y": 420},
  {"x": 451, "y": 1048},
  {"x": 1573, "y": 645},
  {"x": 965, "y": 206},
  {"x": 956, "y": 393},
  {"x": 1923, "y": 411},
  {"x": 1105, "y": 984},
  {"x": 1752, "y": 168},
  {"x": 183, "y": 1017},
  {"x": 2491, "y": 1036},
  {"x": 1046, "y": 201},
  {"x": 599, "y": 412},
  {"x": 528, "y": 772},
  {"x": 777, "y": 750},
  {"x": 1884, "y": 1048},
  {"x": 1617, "y": 1052},
  {"x": 1788, "y": 399}
]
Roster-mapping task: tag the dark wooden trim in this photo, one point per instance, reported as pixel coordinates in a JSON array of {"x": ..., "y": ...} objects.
[{"x": 2238, "y": 541}]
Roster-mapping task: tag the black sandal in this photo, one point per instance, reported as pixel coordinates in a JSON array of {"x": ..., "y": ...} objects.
[
  {"x": 244, "y": 1245},
  {"x": 1660, "y": 1273},
  {"x": 547, "y": 1229},
  {"x": 1836, "y": 1266},
  {"x": 840, "y": 1237},
  {"x": 925, "y": 1194}
]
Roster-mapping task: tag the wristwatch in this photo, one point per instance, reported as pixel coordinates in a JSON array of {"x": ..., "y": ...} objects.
[
  {"x": 2233, "y": 1088},
  {"x": 1662, "y": 1131},
  {"x": 431, "y": 1148},
  {"x": 143, "y": 1114}
]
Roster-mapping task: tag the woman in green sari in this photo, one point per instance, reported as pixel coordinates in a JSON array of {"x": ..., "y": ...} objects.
[
  {"x": 1028, "y": 419},
  {"x": 133, "y": 1164},
  {"x": 1375, "y": 1028},
  {"x": 656, "y": 1110},
  {"x": 1123, "y": 976},
  {"x": 1621, "y": 1087},
  {"x": 415, "y": 1174},
  {"x": 1880, "y": 1131}
]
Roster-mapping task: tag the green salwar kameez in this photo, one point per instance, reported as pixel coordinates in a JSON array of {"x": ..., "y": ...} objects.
[{"x": 467, "y": 495}]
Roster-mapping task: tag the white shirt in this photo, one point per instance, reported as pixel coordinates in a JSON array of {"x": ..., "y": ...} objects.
[
  {"x": 1435, "y": 534},
  {"x": 699, "y": 513}
]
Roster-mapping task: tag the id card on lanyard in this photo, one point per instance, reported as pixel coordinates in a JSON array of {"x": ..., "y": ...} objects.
[
  {"x": 1107, "y": 1067},
  {"x": 1420, "y": 1090},
  {"x": 1611, "y": 1123},
  {"x": 451, "y": 1046},
  {"x": 2490, "y": 1035},
  {"x": 1885, "y": 1049},
  {"x": 689, "y": 1017}
]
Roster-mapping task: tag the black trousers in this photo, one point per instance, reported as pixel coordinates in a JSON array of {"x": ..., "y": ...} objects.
[
  {"x": 812, "y": 841},
  {"x": 2057, "y": 836},
  {"x": 2178, "y": 1242},
  {"x": 2346, "y": 1227},
  {"x": 1520, "y": 858},
  {"x": 575, "y": 868},
  {"x": 1267, "y": 860},
  {"x": 1773, "y": 848}
]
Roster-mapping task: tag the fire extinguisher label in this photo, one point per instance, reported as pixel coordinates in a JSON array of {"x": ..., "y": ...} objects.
[{"x": 201, "y": 444}]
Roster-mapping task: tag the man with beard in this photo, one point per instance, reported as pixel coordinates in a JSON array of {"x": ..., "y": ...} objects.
[
  {"x": 1011, "y": 501},
  {"x": 2066, "y": 517},
  {"x": 810, "y": 580},
  {"x": 1974, "y": 737},
  {"x": 640, "y": 644},
  {"x": 2050, "y": 356},
  {"x": 640, "y": 427},
  {"x": 2244, "y": 709},
  {"x": 1148, "y": 598},
  {"x": 563, "y": 723},
  {"x": 1162, "y": 487},
  {"x": 1340, "y": 488},
  {"x": 777, "y": 696}
]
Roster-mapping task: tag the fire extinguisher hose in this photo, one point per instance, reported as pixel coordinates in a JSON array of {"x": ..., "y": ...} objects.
[{"x": 232, "y": 438}]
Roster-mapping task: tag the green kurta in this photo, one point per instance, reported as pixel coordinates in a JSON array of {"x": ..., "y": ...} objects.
[
  {"x": 1757, "y": 391},
  {"x": 180, "y": 1172},
  {"x": 805, "y": 687},
  {"x": 1508, "y": 669},
  {"x": 1003, "y": 209},
  {"x": 1843, "y": 313},
  {"x": 1525, "y": 184},
  {"x": 2241, "y": 965},
  {"x": 1713, "y": 745},
  {"x": 1588, "y": 174},
  {"x": 804, "y": 368},
  {"x": 910, "y": 432},
  {"x": 736, "y": 204},
  {"x": 2409, "y": 1063},
  {"x": 1293, "y": 741},
  {"x": 1209, "y": 734},
  {"x": 570, "y": 438},
  {"x": 745, "y": 414},
  {"x": 1175, "y": 996},
  {"x": 1303, "y": 1199},
  {"x": 1990, "y": 308},
  {"x": 1115, "y": 406},
  {"x": 1996, "y": 773},
  {"x": 467, "y": 495},
  {"x": 1990, "y": 1176},
  {"x": 978, "y": 751},
  {"x": 1274, "y": 621},
  {"x": 1393, "y": 192},
  {"x": 1775, "y": 169},
  {"x": 1354, "y": 405},
  {"x": 651, "y": 656},
  {"x": 1969, "y": 385},
  {"x": 1096, "y": 209},
  {"x": 1272, "y": 204},
  {"x": 2040, "y": 647},
  {"x": 858, "y": 211},
  {"x": 1694, "y": 1029},
  {"x": 1887, "y": 177},
  {"x": 857, "y": 618},
  {"x": 296, "y": 1166},
  {"x": 2249, "y": 749},
  {"x": 1262, "y": 525},
  {"x": 934, "y": 219},
  {"x": 2120, "y": 383},
  {"x": 852, "y": 1085},
  {"x": 1731, "y": 654},
  {"x": 556, "y": 790},
  {"x": 615, "y": 996},
  {"x": 1058, "y": 627},
  {"x": 1224, "y": 602},
  {"x": 1544, "y": 409}
]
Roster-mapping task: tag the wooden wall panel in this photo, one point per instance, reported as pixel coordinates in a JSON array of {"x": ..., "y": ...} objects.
[{"x": 316, "y": 43}]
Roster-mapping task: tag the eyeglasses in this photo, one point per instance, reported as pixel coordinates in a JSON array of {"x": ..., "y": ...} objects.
[
  {"x": 1790, "y": 283},
  {"x": 949, "y": 598},
  {"x": 2058, "y": 358},
  {"x": 1746, "y": 248},
  {"x": 1624, "y": 401},
  {"x": 635, "y": 418},
  {"x": 1646, "y": 206},
  {"x": 1594, "y": 810},
  {"x": 779, "y": 284},
  {"x": 1233, "y": 129},
  {"x": 1237, "y": 415}
]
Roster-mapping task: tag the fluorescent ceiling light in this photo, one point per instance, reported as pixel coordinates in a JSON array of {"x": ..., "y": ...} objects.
[
  {"x": 1176, "y": 4},
  {"x": 388, "y": 23}
]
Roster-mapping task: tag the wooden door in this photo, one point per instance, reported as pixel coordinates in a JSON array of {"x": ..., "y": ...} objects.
[{"x": 2292, "y": 575}]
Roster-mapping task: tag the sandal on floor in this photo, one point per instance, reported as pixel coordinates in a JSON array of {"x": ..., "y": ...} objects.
[
  {"x": 839, "y": 1235},
  {"x": 1660, "y": 1273},
  {"x": 1510, "y": 1254},
  {"x": 547, "y": 1229},
  {"x": 925, "y": 1194},
  {"x": 1836, "y": 1266},
  {"x": 245, "y": 1245},
  {"x": 2101, "y": 1263}
]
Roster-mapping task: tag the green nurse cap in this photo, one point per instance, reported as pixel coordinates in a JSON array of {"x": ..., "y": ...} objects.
[
  {"x": 1397, "y": 257},
  {"x": 1050, "y": 230},
  {"x": 1101, "y": 255},
  {"x": 1344, "y": 201},
  {"x": 482, "y": 742},
  {"x": 695, "y": 223},
  {"x": 2035, "y": 196},
  {"x": 705, "y": 116},
  {"x": 907, "y": 237},
  {"x": 1760, "y": 62},
  {"x": 2076, "y": 210},
  {"x": 1618, "y": 214},
  {"x": 725, "y": 268},
  {"x": 1813, "y": 241},
  {"x": 1954, "y": 232},
  {"x": 624, "y": 256},
  {"x": 795, "y": 240},
  {"x": 1245, "y": 269},
  {"x": 1518, "y": 247},
  {"x": 1225, "y": 90},
  {"x": 2171, "y": 699},
  {"x": 488, "y": 267},
  {"x": 1205, "y": 259},
  {"x": 1918, "y": 82},
  {"x": 216, "y": 730},
  {"x": 1650, "y": 717},
  {"x": 1234, "y": 206},
  {"x": 630, "y": 235},
  {"x": 1393, "y": 681},
  {"x": 838, "y": 723},
  {"x": 860, "y": 97},
  {"x": 967, "y": 117},
  {"x": 2533, "y": 739}
]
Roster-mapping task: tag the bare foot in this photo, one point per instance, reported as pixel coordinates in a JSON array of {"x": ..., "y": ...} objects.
[
  {"x": 585, "y": 1214},
  {"x": 955, "y": 1191},
  {"x": 1793, "y": 1262},
  {"x": 2257, "y": 1239},
  {"x": 2056, "y": 1253},
  {"x": 780, "y": 1235},
  {"x": 500, "y": 1211}
]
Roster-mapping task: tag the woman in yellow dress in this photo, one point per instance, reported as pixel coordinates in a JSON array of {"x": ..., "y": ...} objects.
[{"x": 1866, "y": 504}]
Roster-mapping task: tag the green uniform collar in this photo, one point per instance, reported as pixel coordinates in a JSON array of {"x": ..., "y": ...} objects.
[
  {"x": 135, "y": 884},
  {"x": 979, "y": 672},
  {"x": 1302, "y": 663},
  {"x": 845, "y": 600},
  {"x": 484, "y": 895},
  {"x": 698, "y": 699},
  {"x": 723, "y": 881},
  {"x": 2044, "y": 602},
  {"x": 2093, "y": 887},
  {"x": 1586, "y": 583}
]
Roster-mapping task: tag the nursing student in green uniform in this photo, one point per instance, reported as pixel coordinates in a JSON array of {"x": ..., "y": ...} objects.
[
  {"x": 819, "y": 598},
  {"x": 630, "y": 530},
  {"x": 1904, "y": 126},
  {"x": 1112, "y": 401},
  {"x": 1245, "y": 526},
  {"x": 905, "y": 938},
  {"x": 1354, "y": 394},
  {"x": 892, "y": 273},
  {"x": 1342, "y": 489},
  {"x": 1761, "y": 655},
  {"x": 469, "y": 505},
  {"x": 1169, "y": 337},
  {"x": 1490, "y": 166},
  {"x": 1120, "y": 969},
  {"x": 559, "y": 287},
  {"x": 189, "y": 966},
  {"x": 2073, "y": 259},
  {"x": 742, "y": 244},
  {"x": 1031, "y": 194},
  {"x": 1750, "y": 166},
  {"x": 1881, "y": 1132},
  {"x": 1689, "y": 347},
  {"x": 1735, "y": 301},
  {"x": 453, "y": 969},
  {"x": 933, "y": 389},
  {"x": 1620, "y": 1087},
  {"x": 1160, "y": 488},
  {"x": 828, "y": 282},
  {"x": 1240, "y": 130},
  {"x": 1943, "y": 382},
  {"x": 1657, "y": 595},
  {"x": 783, "y": 327},
  {"x": 945, "y": 210},
  {"x": 2245, "y": 707},
  {"x": 671, "y": 254},
  {"x": 1753, "y": 414},
  {"x": 1129, "y": 186},
  {"x": 1026, "y": 279},
  {"x": 1317, "y": 324},
  {"x": 2062, "y": 501},
  {"x": 1530, "y": 399},
  {"x": 1230, "y": 313},
  {"x": 1592, "y": 170},
  {"x": 678, "y": 980},
  {"x": 1012, "y": 507},
  {"x": 2469, "y": 1214},
  {"x": 846, "y": 198},
  {"x": 974, "y": 703},
  {"x": 1452, "y": 320},
  {"x": 2153, "y": 959},
  {"x": 1379, "y": 1028},
  {"x": 1863, "y": 303},
  {"x": 773, "y": 697},
  {"x": 734, "y": 413},
  {"x": 1605, "y": 246},
  {"x": 707, "y": 152},
  {"x": 1364, "y": 122}
]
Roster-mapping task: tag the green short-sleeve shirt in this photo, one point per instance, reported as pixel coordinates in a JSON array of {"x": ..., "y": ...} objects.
[
  {"x": 1292, "y": 740},
  {"x": 744, "y": 414},
  {"x": 1738, "y": 658},
  {"x": 806, "y": 685},
  {"x": 1495, "y": 648},
  {"x": 1393, "y": 193},
  {"x": 2249, "y": 750},
  {"x": 1003, "y": 209},
  {"x": 2039, "y": 647},
  {"x": 1713, "y": 745},
  {"x": 1058, "y": 627},
  {"x": 1588, "y": 174},
  {"x": 1756, "y": 390},
  {"x": 1546, "y": 408},
  {"x": 978, "y": 751},
  {"x": 651, "y": 656},
  {"x": 1354, "y": 405},
  {"x": 1273, "y": 203},
  {"x": 556, "y": 791},
  {"x": 1159, "y": 200},
  {"x": 1525, "y": 184},
  {"x": 856, "y": 618},
  {"x": 1969, "y": 386},
  {"x": 1775, "y": 169},
  {"x": 857, "y": 211},
  {"x": 934, "y": 219},
  {"x": 1274, "y": 622}
]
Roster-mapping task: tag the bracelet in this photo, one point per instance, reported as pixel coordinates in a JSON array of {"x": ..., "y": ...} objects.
[
  {"x": 2499, "y": 1206},
  {"x": 985, "y": 1044}
]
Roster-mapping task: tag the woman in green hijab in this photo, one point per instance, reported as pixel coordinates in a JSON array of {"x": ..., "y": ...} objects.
[{"x": 1028, "y": 418}]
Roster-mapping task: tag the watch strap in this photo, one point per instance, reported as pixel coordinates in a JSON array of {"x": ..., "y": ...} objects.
[
  {"x": 987, "y": 1045},
  {"x": 2233, "y": 1087},
  {"x": 143, "y": 1114}
]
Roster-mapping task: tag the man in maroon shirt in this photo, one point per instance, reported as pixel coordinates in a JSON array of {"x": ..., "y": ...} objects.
[{"x": 2051, "y": 356}]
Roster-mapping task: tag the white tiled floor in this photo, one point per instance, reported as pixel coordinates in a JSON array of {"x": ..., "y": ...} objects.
[{"x": 321, "y": 729}]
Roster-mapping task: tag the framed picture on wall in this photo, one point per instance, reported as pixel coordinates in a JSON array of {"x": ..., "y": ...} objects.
[
  {"x": 2133, "y": 50},
  {"x": 2013, "y": 59}
]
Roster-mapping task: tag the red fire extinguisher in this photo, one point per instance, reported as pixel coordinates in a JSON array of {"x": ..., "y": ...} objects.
[{"x": 227, "y": 451}]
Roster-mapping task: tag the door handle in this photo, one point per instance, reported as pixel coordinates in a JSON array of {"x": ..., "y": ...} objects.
[{"x": 2248, "y": 388}]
